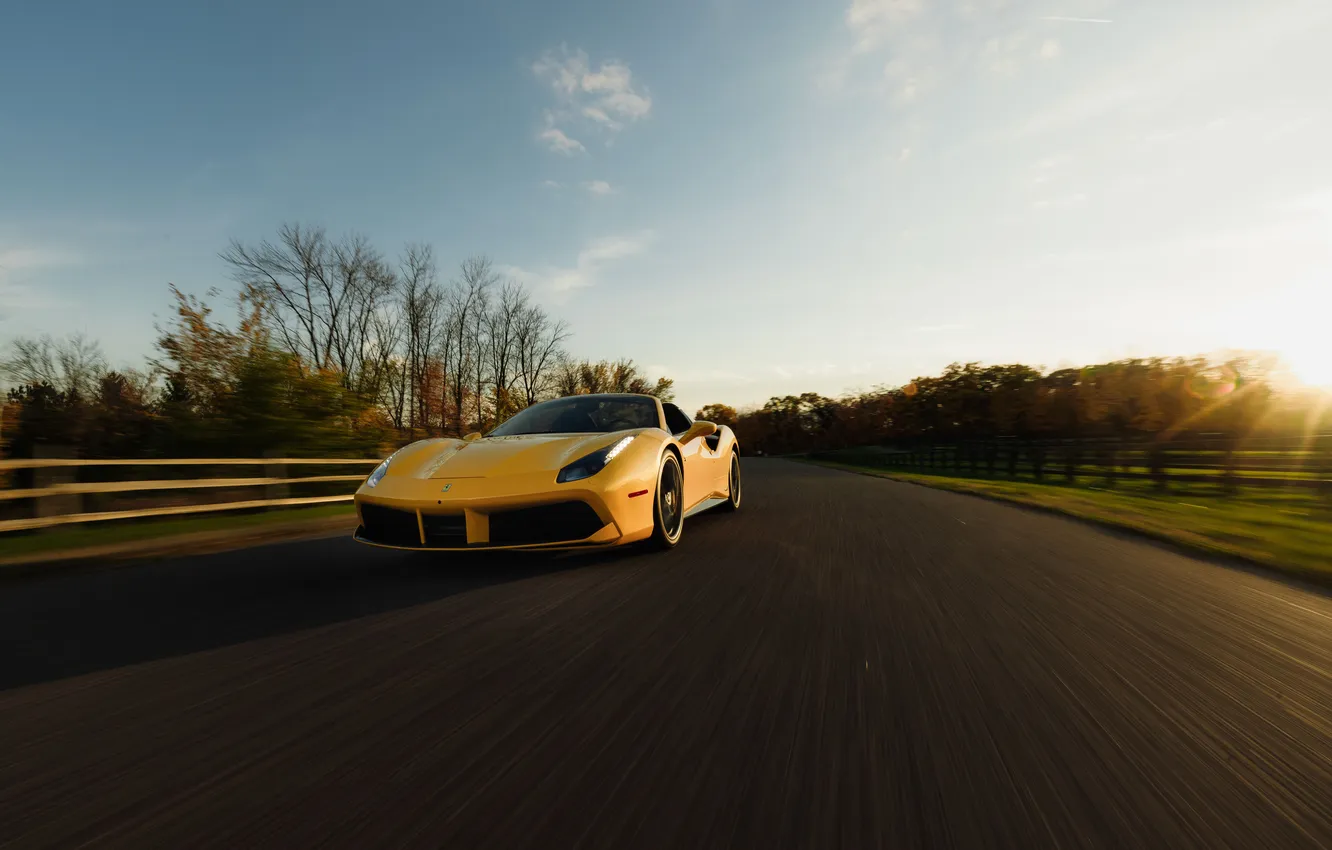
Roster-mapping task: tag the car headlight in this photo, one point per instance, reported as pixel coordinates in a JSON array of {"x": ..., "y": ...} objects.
[
  {"x": 380, "y": 471},
  {"x": 589, "y": 465}
]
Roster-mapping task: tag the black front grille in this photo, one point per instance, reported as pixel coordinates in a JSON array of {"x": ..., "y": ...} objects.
[
  {"x": 544, "y": 524},
  {"x": 446, "y": 531},
  {"x": 389, "y": 526}
]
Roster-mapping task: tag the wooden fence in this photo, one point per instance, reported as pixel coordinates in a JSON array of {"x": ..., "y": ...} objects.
[
  {"x": 1228, "y": 465},
  {"x": 58, "y": 498}
]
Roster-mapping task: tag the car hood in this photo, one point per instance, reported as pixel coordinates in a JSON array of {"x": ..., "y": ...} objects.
[{"x": 495, "y": 456}]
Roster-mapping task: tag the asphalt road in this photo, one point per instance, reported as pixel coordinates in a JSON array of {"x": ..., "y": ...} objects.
[{"x": 847, "y": 662}]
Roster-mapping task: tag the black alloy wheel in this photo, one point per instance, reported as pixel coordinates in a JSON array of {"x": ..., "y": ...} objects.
[
  {"x": 668, "y": 515},
  {"x": 733, "y": 489}
]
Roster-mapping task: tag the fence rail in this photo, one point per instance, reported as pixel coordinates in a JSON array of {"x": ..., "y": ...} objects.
[
  {"x": 57, "y": 503},
  {"x": 38, "y": 463},
  {"x": 1304, "y": 464}
]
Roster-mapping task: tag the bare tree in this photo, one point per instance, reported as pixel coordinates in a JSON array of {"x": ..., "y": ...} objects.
[
  {"x": 478, "y": 343},
  {"x": 538, "y": 340},
  {"x": 503, "y": 323},
  {"x": 73, "y": 365},
  {"x": 421, "y": 305},
  {"x": 568, "y": 379},
  {"x": 467, "y": 300},
  {"x": 451, "y": 357},
  {"x": 290, "y": 275},
  {"x": 389, "y": 369},
  {"x": 321, "y": 297},
  {"x": 363, "y": 287},
  {"x": 605, "y": 376}
]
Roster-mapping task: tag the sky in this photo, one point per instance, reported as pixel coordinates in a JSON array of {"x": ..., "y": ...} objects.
[{"x": 754, "y": 197}]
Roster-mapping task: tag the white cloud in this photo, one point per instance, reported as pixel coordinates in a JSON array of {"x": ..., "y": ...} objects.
[
  {"x": 598, "y": 187},
  {"x": 599, "y": 115},
  {"x": 588, "y": 268},
  {"x": 552, "y": 184},
  {"x": 904, "y": 155},
  {"x": 998, "y": 55},
  {"x": 908, "y": 77},
  {"x": 928, "y": 47},
  {"x": 874, "y": 20},
  {"x": 557, "y": 141},
  {"x": 1239, "y": 41},
  {"x": 604, "y": 98}
]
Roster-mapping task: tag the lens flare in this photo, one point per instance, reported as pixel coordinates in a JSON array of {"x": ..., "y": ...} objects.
[{"x": 1213, "y": 383}]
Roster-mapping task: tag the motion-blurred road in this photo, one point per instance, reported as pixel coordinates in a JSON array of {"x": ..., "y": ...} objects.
[{"x": 847, "y": 662}]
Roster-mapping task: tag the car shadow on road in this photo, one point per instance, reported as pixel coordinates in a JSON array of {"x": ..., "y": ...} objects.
[{"x": 76, "y": 623}]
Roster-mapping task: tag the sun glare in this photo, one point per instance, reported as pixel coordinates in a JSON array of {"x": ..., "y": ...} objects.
[{"x": 1311, "y": 361}]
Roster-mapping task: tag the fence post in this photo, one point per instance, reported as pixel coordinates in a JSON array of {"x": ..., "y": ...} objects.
[
  {"x": 1156, "y": 462},
  {"x": 1037, "y": 452},
  {"x": 275, "y": 470},
  {"x": 51, "y": 476},
  {"x": 1070, "y": 461},
  {"x": 1111, "y": 465},
  {"x": 1013, "y": 450},
  {"x": 1229, "y": 478},
  {"x": 1326, "y": 453}
]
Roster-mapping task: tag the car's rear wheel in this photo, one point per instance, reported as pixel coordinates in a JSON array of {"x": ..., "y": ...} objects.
[
  {"x": 668, "y": 512},
  {"x": 733, "y": 489}
]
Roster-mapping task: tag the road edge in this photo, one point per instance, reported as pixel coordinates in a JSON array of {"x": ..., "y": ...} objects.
[
  {"x": 1213, "y": 553},
  {"x": 193, "y": 543}
]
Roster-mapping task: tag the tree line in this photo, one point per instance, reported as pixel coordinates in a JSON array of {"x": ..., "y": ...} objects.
[
  {"x": 335, "y": 348},
  {"x": 1147, "y": 398}
]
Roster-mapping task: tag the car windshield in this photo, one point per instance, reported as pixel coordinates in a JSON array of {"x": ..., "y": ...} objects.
[{"x": 582, "y": 415}]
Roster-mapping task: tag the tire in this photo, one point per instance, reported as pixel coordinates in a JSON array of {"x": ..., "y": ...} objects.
[
  {"x": 733, "y": 488},
  {"x": 668, "y": 504}
]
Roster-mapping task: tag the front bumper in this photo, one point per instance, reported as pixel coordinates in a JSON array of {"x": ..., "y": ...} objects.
[{"x": 527, "y": 511}]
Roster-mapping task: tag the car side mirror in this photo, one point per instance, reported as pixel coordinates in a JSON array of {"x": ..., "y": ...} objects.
[
  {"x": 472, "y": 437},
  {"x": 698, "y": 429}
]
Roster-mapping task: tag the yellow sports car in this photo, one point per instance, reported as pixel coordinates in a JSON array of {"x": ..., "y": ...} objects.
[{"x": 581, "y": 471}]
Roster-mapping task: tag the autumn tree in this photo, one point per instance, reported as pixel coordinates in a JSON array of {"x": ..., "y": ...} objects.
[{"x": 719, "y": 414}]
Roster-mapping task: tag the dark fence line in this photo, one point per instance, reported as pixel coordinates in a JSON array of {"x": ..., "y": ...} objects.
[{"x": 1303, "y": 463}]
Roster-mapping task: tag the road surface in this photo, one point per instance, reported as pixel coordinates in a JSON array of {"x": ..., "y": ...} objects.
[{"x": 847, "y": 662}]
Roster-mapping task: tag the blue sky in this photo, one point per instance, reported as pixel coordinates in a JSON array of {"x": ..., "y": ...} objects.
[{"x": 753, "y": 197}]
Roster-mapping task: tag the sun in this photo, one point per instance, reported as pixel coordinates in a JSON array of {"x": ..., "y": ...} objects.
[{"x": 1311, "y": 360}]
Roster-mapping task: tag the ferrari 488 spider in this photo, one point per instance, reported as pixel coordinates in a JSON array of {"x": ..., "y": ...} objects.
[{"x": 581, "y": 471}]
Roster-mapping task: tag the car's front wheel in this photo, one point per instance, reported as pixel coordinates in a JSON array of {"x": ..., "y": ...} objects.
[
  {"x": 733, "y": 489},
  {"x": 668, "y": 512}
]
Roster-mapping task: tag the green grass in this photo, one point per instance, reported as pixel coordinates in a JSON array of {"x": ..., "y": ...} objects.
[
  {"x": 1281, "y": 529},
  {"x": 105, "y": 534}
]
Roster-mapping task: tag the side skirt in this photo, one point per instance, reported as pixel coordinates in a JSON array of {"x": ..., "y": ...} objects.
[{"x": 702, "y": 506}]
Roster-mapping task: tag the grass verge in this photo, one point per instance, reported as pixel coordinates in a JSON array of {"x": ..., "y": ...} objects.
[
  {"x": 1290, "y": 532},
  {"x": 162, "y": 534}
]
